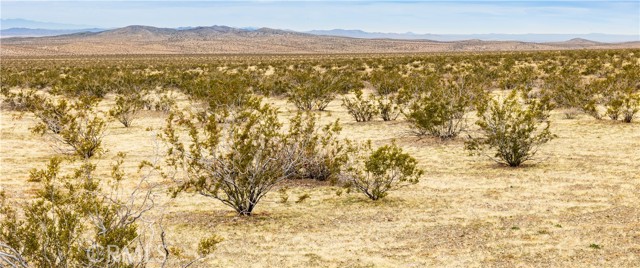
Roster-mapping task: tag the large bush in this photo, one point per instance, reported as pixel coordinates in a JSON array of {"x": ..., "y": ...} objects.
[
  {"x": 237, "y": 163},
  {"x": 74, "y": 221}
]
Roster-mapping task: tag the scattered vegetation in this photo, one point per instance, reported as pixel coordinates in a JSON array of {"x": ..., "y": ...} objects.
[{"x": 229, "y": 144}]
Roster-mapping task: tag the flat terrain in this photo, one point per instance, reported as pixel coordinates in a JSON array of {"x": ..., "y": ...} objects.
[
  {"x": 226, "y": 40},
  {"x": 465, "y": 212}
]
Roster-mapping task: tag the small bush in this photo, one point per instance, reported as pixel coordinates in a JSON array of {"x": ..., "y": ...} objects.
[
  {"x": 389, "y": 107},
  {"x": 385, "y": 169},
  {"x": 514, "y": 132},
  {"x": 21, "y": 101},
  {"x": 314, "y": 91},
  {"x": 321, "y": 154},
  {"x": 127, "y": 107},
  {"x": 362, "y": 110},
  {"x": 622, "y": 103}
]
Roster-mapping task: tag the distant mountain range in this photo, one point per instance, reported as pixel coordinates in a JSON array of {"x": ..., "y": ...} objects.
[
  {"x": 138, "y": 39},
  {"x": 31, "y": 28},
  {"x": 607, "y": 38}
]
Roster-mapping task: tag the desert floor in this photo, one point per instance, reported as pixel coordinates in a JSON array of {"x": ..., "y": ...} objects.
[{"x": 578, "y": 206}]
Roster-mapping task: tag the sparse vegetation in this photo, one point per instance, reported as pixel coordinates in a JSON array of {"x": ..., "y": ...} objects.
[{"x": 233, "y": 134}]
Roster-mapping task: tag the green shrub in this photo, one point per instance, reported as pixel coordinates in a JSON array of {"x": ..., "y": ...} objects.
[
  {"x": 314, "y": 91},
  {"x": 389, "y": 107},
  {"x": 73, "y": 221},
  {"x": 321, "y": 154},
  {"x": 127, "y": 107},
  {"x": 440, "y": 112},
  {"x": 385, "y": 169},
  {"x": 362, "y": 109},
  {"x": 513, "y": 132},
  {"x": 236, "y": 163},
  {"x": 76, "y": 126}
]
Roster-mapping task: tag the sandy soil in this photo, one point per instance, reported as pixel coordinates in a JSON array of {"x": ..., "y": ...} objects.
[{"x": 465, "y": 212}]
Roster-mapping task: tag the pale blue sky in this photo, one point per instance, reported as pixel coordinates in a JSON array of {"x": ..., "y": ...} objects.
[{"x": 439, "y": 17}]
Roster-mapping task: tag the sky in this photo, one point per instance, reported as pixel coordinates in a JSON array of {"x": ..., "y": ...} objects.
[{"x": 436, "y": 17}]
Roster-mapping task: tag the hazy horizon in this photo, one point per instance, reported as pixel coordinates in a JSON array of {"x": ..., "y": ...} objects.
[{"x": 419, "y": 17}]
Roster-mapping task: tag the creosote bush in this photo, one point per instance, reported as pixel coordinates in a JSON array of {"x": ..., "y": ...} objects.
[
  {"x": 236, "y": 163},
  {"x": 74, "y": 125},
  {"x": 73, "y": 220},
  {"x": 385, "y": 169},
  {"x": 511, "y": 132},
  {"x": 389, "y": 107},
  {"x": 321, "y": 154},
  {"x": 440, "y": 111},
  {"x": 362, "y": 109},
  {"x": 387, "y": 84},
  {"x": 312, "y": 91},
  {"x": 127, "y": 107}
]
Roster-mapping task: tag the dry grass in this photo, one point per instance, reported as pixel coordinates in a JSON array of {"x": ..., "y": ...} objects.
[{"x": 465, "y": 212}]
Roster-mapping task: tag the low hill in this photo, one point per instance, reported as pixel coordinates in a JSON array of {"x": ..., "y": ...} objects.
[{"x": 228, "y": 40}]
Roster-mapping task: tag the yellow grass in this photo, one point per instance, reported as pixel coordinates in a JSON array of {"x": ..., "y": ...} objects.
[{"x": 465, "y": 212}]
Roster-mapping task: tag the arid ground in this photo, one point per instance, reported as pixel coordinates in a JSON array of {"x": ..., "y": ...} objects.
[{"x": 578, "y": 205}]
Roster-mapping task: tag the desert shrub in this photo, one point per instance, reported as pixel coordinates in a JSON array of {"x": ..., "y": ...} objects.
[
  {"x": 622, "y": 94},
  {"x": 21, "y": 101},
  {"x": 276, "y": 84},
  {"x": 53, "y": 115},
  {"x": 219, "y": 92},
  {"x": 440, "y": 111},
  {"x": 321, "y": 154},
  {"x": 235, "y": 163},
  {"x": 74, "y": 126},
  {"x": 161, "y": 102},
  {"x": 568, "y": 92},
  {"x": 346, "y": 81},
  {"x": 389, "y": 106},
  {"x": 361, "y": 108},
  {"x": 512, "y": 131},
  {"x": 523, "y": 77},
  {"x": 73, "y": 221},
  {"x": 165, "y": 103},
  {"x": 385, "y": 169},
  {"x": 386, "y": 82},
  {"x": 623, "y": 104},
  {"x": 312, "y": 91},
  {"x": 387, "y": 85},
  {"x": 127, "y": 107}
]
